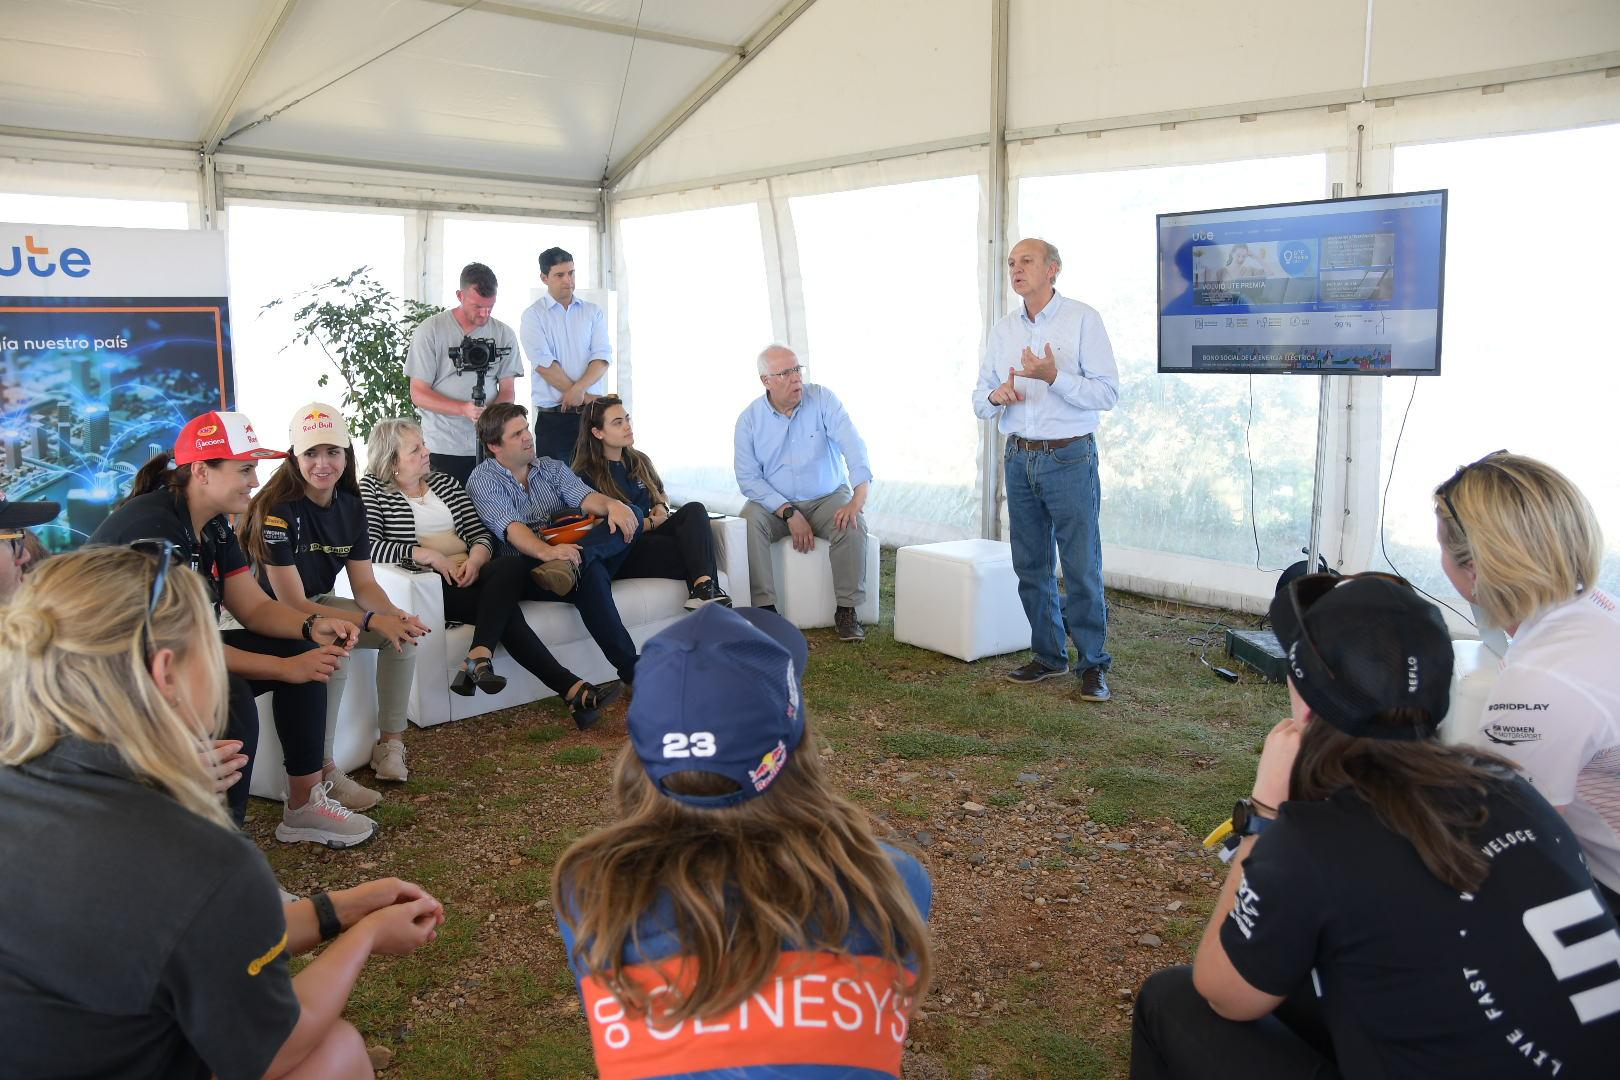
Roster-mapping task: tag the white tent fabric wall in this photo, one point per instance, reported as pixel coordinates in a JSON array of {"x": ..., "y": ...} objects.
[{"x": 874, "y": 273}]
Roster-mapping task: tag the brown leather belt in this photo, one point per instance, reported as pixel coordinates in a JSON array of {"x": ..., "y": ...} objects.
[{"x": 1018, "y": 442}]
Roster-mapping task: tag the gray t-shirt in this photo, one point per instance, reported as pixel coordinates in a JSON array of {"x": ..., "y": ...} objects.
[{"x": 429, "y": 360}]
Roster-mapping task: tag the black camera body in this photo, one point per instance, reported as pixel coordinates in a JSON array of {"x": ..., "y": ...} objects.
[{"x": 477, "y": 355}]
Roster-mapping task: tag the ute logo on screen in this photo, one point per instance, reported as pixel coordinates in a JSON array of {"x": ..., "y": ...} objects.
[{"x": 73, "y": 262}]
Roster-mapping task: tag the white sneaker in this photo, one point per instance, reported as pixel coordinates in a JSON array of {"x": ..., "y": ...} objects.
[
  {"x": 388, "y": 760},
  {"x": 323, "y": 820},
  {"x": 346, "y": 791}
]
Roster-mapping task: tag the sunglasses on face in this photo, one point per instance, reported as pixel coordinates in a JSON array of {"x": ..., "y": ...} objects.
[
  {"x": 164, "y": 553},
  {"x": 1445, "y": 489}
]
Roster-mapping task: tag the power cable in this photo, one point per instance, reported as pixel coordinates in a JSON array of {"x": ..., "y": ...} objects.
[{"x": 1248, "y": 449}]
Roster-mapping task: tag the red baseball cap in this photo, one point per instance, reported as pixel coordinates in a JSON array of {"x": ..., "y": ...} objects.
[{"x": 214, "y": 436}]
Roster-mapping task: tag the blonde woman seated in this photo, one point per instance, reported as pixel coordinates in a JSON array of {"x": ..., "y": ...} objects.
[
  {"x": 1521, "y": 541},
  {"x": 143, "y": 934},
  {"x": 424, "y": 520}
]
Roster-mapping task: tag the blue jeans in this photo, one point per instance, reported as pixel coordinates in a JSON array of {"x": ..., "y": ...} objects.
[
  {"x": 1053, "y": 499},
  {"x": 601, "y": 552}
]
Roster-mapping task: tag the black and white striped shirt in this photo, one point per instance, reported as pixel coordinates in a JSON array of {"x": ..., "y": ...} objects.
[{"x": 393, "y": 526}]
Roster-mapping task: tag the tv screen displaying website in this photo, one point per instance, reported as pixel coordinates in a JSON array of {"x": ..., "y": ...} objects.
[{"x": 1340, "y": 286}]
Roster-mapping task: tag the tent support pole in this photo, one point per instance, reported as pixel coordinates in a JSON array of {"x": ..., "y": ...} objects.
[{"x": 996, "y": 253}]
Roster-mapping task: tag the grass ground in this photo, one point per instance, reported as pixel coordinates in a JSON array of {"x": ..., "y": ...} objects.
[{"x": 1080, "y": 875}]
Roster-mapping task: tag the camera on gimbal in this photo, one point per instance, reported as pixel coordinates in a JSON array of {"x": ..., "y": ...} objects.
[{"x": 476, "y": 355}]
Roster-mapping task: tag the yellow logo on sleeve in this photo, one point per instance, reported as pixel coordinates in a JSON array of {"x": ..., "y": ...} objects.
[
  {"x": 256, "y": 966},
  {"x": 271, "y": 519}
]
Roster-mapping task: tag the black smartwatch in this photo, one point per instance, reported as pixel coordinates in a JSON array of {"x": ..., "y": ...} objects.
[
  {"x": 1245, "y": 822},
  {"x": 787, "y": 512},
  {"x": 326, "y": 916}
]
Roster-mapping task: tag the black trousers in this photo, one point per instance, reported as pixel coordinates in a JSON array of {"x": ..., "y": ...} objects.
[
  {"x": 241, "y": 722},
  {"x": 1175, "y": 1035},
  {"x": 490, "y": 606},
  {"x": 300, "y": 707},
  {"x": 453, "y": 465},
  {"x": 682, "y": 547},
  {"x": 555, "y": 434}
]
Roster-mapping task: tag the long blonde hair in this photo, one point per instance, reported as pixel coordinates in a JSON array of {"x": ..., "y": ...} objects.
[
  {"x": 1531, "y": 535},
  {"x": 72, "y": 662},
  {"x": 745, "y": 882}
]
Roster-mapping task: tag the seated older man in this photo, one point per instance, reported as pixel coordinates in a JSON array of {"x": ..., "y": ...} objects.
[{"x": 803, "y": 467}]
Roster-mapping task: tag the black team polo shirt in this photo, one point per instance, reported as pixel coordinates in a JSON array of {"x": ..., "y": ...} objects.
[{"x": 137, "y": 939}]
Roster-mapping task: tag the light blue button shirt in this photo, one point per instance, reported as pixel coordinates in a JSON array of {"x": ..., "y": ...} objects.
[
  {"x": 501, "y": 500},
  {"x": 796, "y": 458},
  {"x": 570, "y": 336},
  {"x": 1087, "y": 381}
]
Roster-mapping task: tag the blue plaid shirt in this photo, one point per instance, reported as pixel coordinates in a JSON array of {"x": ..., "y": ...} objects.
[{"x": 501, "y": 500}]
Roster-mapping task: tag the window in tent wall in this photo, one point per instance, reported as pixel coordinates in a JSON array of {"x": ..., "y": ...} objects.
[
  {"x": 115, "y": 213},
  {"x": 695, "y": 289},
  {"x": 511, "y": 247},
  {"x": 902, "y": 357},
  {"x": 1175, "y": 472},
  {"x": 276, "y": 252},
  {"x": 1529, "y": 362}
]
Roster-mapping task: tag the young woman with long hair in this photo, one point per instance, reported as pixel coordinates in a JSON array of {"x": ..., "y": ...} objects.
[
  {"x": 424, "y": 520},
  {"x": 669, "y": 545},
  {"x": 1396, "y": 907},
  {"x": 306, "y": 526},
  {"x": 144, "y": 935},
  {"x": 739, "y": 918},
  {"x": 1520, "y": 541},
  {"x": 187, "y": 498}
]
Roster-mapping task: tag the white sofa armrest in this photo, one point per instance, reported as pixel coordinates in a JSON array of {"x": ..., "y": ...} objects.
[
  {"x": 731, "y": 556},
  {"x": 422, "y": 595}
]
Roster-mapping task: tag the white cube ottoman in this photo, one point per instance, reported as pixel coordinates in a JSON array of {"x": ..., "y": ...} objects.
[
  {"x": 959, "y": 598},
  {"x": 804, "y": 584},
  {"x": 1473, "y": 674}
]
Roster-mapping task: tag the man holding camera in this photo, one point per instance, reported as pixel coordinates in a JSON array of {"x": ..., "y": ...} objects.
[
  {"x": 566, "y": 340},
  {"x": 447, "y": 388}
]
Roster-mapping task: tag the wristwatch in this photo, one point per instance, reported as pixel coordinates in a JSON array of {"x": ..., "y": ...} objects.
[
  {"x": 1245, "y": 822},
  {"x": 787, "y": 512}
]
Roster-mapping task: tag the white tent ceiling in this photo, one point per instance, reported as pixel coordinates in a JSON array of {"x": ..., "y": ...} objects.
[{"x": 555, "y": 90}]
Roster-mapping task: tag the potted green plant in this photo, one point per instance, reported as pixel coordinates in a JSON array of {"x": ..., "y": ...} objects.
[{"x": 365, "y": 331}]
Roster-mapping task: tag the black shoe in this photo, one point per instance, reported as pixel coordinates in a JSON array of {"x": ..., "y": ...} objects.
[
  {"x": 706, "y": 592},
  {"x": 1034, "y": 672},
  {"x": 483, "y": 673},
  {"x": 587, "y": 703},
  {"x": 1094, "y": 685},
  {"x": 463, "y": 683},
  {"x": 849, "y": 627},
  {"x": 767, "y": 607}
]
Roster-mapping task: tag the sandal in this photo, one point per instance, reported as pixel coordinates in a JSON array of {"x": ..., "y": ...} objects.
[
  {"x": 463, "y": 683},
  {"x": 483, "y": 673},
  {"x": 587, "y": 704}
]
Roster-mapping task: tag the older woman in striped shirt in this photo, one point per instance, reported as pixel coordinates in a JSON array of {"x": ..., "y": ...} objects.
[{"x": 423, "y": 520}]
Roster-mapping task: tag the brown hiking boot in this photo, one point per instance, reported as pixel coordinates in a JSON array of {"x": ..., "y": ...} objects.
[
  {"x": 849, "y": 627},
  {"x": 557, "y": 576}
]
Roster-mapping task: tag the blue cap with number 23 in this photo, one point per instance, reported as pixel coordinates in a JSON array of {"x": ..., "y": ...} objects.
[{"x": 720, "y": 691}]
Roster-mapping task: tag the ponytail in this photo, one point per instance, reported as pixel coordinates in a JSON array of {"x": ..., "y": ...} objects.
[{"x": 158, "y": 474}]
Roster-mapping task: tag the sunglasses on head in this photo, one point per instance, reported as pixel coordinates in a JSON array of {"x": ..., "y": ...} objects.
[
  {"x": 164, "y": 552},
  {"x": 1445, "y": 489}
]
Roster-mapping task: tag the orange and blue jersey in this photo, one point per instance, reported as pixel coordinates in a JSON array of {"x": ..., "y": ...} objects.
[{"x": 818, "y": 1016}]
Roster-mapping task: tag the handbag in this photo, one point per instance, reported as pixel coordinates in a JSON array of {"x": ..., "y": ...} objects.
[{"x": 568, "y": 527}]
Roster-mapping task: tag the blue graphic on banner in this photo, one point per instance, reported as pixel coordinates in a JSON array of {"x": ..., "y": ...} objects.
[{"x": 92, "y": 387}]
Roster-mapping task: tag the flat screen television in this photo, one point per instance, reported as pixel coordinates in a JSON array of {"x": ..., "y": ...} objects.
[{"x": 1338, "y": 286}]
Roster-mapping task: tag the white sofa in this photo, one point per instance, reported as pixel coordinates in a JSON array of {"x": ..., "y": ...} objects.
[{"x": 646, "y": 605}]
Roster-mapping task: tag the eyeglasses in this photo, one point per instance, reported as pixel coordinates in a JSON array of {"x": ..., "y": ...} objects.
[
  {"x": 164, "y": 552},
  {"x": 1445, "y": 489},
  {"x": 1305, "y": 591},
  {"x": 796, "y": 369}
]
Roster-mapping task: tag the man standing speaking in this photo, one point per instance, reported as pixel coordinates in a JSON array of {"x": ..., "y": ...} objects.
[{"x": 1046, "y": 373}]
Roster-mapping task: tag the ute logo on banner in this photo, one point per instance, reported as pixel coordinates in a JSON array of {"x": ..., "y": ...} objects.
[{"x": 74, "y": 262}]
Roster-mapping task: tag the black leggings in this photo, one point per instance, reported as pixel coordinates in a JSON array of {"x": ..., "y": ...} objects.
[
  {"x": 300, "y": 707},
  {"x": 490, "y": 606},
  {"x": 682, "y": 547},
  {"x": 1175, "y": 1034}
]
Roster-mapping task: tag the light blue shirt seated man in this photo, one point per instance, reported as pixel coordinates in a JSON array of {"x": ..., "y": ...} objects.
[{"x": 804, "y": 469}]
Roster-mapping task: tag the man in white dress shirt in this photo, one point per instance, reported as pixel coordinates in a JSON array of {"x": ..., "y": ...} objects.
[{"x": 566, "y": 341}]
